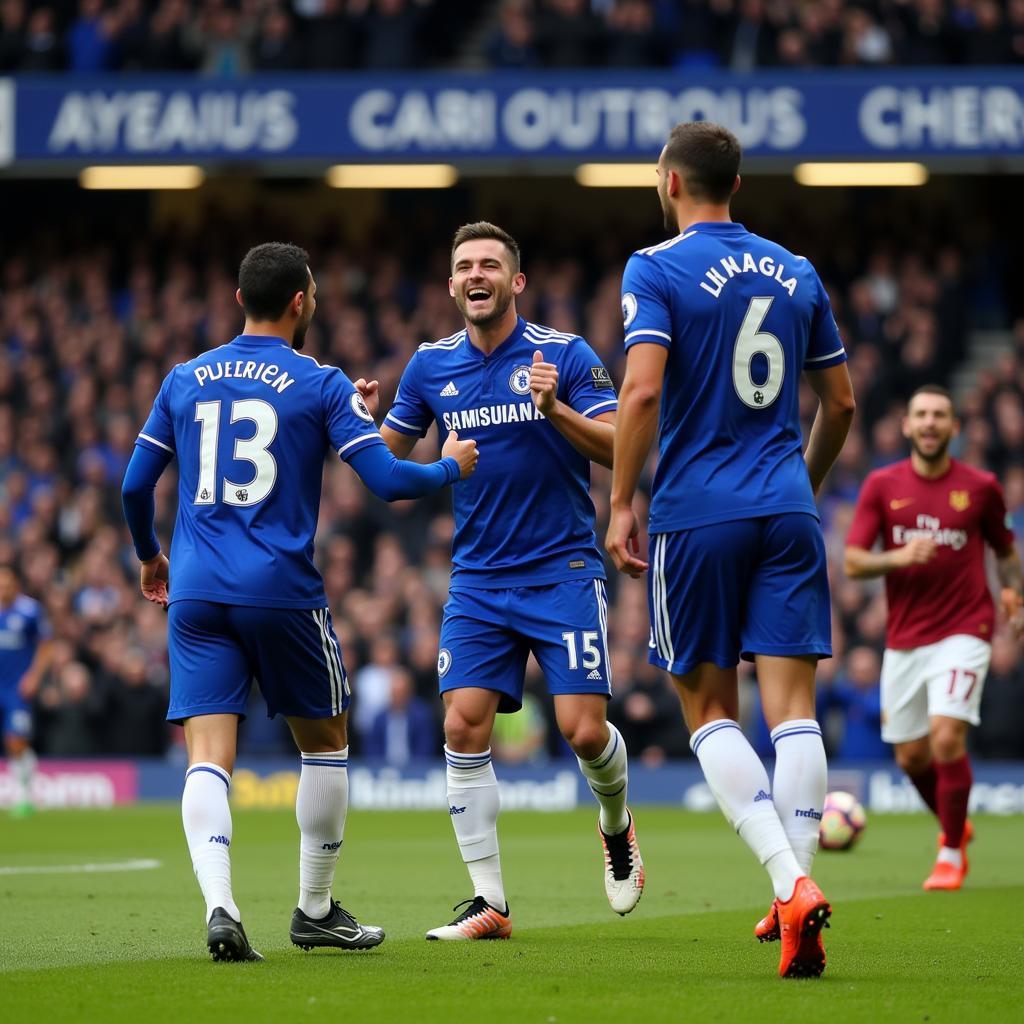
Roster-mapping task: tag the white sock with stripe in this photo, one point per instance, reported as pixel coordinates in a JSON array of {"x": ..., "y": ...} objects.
[
  {"x": 206, "y": 816},
  {"x": 321, "y": 806},
  {"x": 332, "y": 656},
  {"x": 607, "y": 775},
  {"x": 473, "y": 804},
  {"x": 799, "y": 785},
  {"x": 740, "y": 784}
]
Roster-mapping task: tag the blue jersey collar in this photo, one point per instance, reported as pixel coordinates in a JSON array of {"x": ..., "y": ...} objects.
[
  {"x": 718, "y": 227},
  {"x": 502, "y": 346},
  {"x": 260, "y": 339}
]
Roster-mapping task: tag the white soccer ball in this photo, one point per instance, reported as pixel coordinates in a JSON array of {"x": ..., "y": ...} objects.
[{"x": 842, "y": 821}]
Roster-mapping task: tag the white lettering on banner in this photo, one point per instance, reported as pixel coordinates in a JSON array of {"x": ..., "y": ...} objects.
[
  {"x": 62, "y": 789},
  {"x": 533, "y": 119},
  {"x": 149, "y": 122},
  {"x": 963, "y": 117},
  {"x": 887, "y": 794},
  {"x": 449, "y": 119}
]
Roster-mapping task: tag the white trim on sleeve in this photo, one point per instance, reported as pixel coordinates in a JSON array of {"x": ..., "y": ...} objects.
[
  {"x": 361, "y": 437},
  {"x": 820, "y": 359},
  {"x": 657, "y": 334},
  {"x": 153, "y": 440},
  {"x": 600, "y": 405},
  {"x": 401, "y": 423}
]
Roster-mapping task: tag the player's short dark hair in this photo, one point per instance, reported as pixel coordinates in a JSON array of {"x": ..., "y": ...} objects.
[
  {"x": 934, "y": 389},
  {"x": 484, "y": 229},
  {"x": 269, "y": 277},
  {"x": 707, "y": 156}
]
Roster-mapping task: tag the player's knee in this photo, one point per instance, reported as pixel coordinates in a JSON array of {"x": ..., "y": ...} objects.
[
  {"x": 464, "y": 734},
  {"x": 913, "y": 760},
  {"x": 588, "y": 737},
  {"x": 949, "y": 744}
]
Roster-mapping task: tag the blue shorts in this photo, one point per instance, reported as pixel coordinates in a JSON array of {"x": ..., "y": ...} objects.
[
  {"x": 487, "y": 635},
  {"x": 15, "y": 714},
  {"x": 216, "y": 651},
  {"x": 730, "y": 590}
]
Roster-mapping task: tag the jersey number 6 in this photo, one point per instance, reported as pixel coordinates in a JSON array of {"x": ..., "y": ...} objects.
[
  {"x": 750, "y": 342},
  {"x": 252, "y": 449}
]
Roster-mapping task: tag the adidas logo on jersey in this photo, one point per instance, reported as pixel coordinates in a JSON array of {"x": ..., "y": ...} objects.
[
  {"x": 449, "y": 390},
  {"x": 594, "y": 674}
]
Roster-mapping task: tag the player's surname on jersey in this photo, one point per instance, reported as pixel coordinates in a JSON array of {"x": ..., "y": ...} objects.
[
  {"x": 765, "y": 265},
  {"x": 247, "y": 369}
]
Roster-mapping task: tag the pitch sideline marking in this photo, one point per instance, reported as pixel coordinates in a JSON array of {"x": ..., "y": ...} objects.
[{"x": 81, "y": 869}]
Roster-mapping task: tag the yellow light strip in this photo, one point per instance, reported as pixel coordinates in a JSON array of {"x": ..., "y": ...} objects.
[
  {"x": 861, "y": 174},
  {"x": 392, "y": 176},
  {"x": 141, "y": 177},
  {"x": 617, "y": 175}
]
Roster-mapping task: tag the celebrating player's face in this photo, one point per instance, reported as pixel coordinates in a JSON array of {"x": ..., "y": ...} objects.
[
  {"x": 929, "y": 426},
  {"x": 483, "y": 282}
]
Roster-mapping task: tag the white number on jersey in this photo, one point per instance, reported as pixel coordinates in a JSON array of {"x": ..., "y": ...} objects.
[
  {"x": 591, "y": 651},
  {"x": 749, "y": 342},
  {"x": 252, "y": 449}
]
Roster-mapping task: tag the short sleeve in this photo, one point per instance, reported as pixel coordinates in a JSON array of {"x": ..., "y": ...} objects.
[
  {"x": 410, "y": 414},
  {"x": 348, "y": 422},
  {"x": 157, "y": 433},
  {"x": 586, "y": 384},
  {"x": 646, "y": 313},
  {"x": 825, "y": 347},
  {"x": 867, "y": 516},
  {"x": 995, "y": 521}
]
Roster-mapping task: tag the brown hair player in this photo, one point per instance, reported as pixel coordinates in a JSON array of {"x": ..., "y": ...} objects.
[{"x": 935, "y": 515}]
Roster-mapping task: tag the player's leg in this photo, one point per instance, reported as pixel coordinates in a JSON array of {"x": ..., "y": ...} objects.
[
  {"x": 17, "y": 728},
  {"x": 956, "y": 679},
  {"x": 297, "y": 658},
  {"x": 786, "y": 630},
  {"x": 904, "y": 699},
  {"x": 209, "y": 690},
  {"x": 480, "y": 671}
]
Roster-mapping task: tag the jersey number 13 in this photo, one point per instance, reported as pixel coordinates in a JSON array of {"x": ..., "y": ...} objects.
[{"x": 252, "y": 449}]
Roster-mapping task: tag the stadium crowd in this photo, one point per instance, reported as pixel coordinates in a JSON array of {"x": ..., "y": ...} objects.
[
  {"x": 234, "y": 37},
  {"x": 88, "y": 331}
]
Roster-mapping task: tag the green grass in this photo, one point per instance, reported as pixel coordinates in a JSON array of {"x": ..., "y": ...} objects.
[{"x": 129, "y": 946}]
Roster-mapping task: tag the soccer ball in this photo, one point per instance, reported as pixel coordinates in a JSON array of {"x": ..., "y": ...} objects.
[{"x": 842, "y": 821}]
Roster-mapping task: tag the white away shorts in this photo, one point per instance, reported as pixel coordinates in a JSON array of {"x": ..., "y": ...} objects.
[{"x": 944, "y": 678}]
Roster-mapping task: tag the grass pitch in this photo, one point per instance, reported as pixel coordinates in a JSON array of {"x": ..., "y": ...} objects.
[{"x": 129, "y": 945}]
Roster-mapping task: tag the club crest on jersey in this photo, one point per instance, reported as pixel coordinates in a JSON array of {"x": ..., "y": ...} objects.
[
  {"x": 629, "y": 308},
  {"x": 359, "y": 407},
  {"x": 519, "y": 382},
  {"x": 960, "y": 501},
  {"x": 444, "y": 662}
]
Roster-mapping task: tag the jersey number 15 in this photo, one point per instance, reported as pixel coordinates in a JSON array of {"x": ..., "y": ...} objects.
[{"x": 252, "y": 449}]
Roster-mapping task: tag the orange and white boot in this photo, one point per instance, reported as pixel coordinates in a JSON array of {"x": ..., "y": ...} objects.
[
  {"x": 801, "y": 920},
  {"x": 478, "y": 921}
]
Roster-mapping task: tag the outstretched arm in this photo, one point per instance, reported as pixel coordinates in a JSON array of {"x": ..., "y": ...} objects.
[{"x": 393, "y": 479}]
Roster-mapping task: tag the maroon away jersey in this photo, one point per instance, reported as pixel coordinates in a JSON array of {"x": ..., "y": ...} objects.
[{"x": 961, "y": 511}]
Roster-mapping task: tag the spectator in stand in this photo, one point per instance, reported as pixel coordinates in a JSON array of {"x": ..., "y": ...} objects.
[
  {"x": 91, "y": 41},
  {"x": 71, "y": 713},
  {"x": 633, "y": 37},
  {"x": 276, "y": 48},
  {"x": 12, "y": 33},
  {"x": 568, "y": 35},
  {"x": 511, "y": 45},
  {"x": 222, "y": 38},
  {"x": 135, "y": 706},
  {"x": 1001, "y": 733},
  {"x": 406, "y": 729},
  {"x": 391, "y": 30},
  {"x": 42, "y": 49}
]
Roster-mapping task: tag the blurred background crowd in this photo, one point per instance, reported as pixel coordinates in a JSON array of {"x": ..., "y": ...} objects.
[
  {"x": 89, "y": 327},
  {"x": 234, "y": 37}
]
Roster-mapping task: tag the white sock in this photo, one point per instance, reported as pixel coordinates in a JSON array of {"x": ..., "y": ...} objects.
[
  {"x": 24, "y": 770},
  {"x": 799, "y": 785},
  {"x": 739, "y": 783},
  {"x": 607, "y": 775},
  {"x": 207, "y": 819},
  {"x": 473, "y": 803},
  {"x": 949, "y": 855},
  {"x": 321, "y": 806}
]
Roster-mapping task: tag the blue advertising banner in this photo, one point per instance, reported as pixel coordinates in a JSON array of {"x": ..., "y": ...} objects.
[{"x": 558, "y": 116}]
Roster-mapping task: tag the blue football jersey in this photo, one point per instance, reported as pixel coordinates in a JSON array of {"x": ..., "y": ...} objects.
[
  {"x": 525, "y": 517},
  {"x": 23, "y": 625},
  {"x": 741, "y": 318},
  {"x": 251, "y": 423}
]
